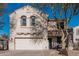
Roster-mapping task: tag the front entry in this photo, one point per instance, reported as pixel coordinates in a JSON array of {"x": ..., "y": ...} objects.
[
  {"x": 50, "y": 43},
  {"x": 59, "y": 42}
]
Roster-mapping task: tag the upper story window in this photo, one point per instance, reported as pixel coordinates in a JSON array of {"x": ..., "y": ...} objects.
[
  {"x": 62, "y": 25},
  {"x": 23, "y": 20},
  {"x": 33, "y": 20}
]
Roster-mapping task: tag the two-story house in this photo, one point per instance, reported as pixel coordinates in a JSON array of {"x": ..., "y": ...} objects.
[{"x": 28, "y": 29}]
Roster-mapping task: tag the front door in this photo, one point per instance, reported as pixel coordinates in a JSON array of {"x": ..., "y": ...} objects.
[
  {"x": 50, "y": 43},
  {"x": 59, "y": 42}
]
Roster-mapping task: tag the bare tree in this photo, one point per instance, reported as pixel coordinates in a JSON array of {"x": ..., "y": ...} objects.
[{"x": 64, "y": 8}]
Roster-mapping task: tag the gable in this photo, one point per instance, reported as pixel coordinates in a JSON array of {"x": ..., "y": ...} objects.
[{"x": 27, "y": 9}]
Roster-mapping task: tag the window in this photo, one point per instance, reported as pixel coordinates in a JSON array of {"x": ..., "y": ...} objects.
[
  {"x": 23, "y": 20},
  {"x": 33, "y": 20},
  {"x": 62, "y": 25}
]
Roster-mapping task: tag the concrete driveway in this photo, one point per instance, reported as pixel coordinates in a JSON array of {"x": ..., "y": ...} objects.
[
  {"x": 29, "y": 53},
  {"x": 36, "y": 53}
]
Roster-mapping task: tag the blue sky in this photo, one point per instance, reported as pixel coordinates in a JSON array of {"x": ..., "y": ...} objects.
[{"x": 13, "y": 6}]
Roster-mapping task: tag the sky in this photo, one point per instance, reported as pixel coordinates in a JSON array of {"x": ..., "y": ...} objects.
[{"x": 13, "y": 6}]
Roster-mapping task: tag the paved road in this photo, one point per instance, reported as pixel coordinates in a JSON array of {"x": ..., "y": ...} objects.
[{"x": 36, "y": 53}]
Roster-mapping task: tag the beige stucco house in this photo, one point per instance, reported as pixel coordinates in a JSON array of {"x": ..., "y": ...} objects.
[{"x": 28, "y": 29}]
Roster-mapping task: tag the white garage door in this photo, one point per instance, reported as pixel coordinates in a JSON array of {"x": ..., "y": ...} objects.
[{"x": 27, "y": 44}]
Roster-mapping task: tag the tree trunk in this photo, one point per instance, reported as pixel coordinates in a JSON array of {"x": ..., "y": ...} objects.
[{"x": 63, "y": 40}]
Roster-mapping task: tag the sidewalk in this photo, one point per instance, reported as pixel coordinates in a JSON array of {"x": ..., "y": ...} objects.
[
  {"x": 73, "y": 52},
  {"x": 36, "y": 53}
]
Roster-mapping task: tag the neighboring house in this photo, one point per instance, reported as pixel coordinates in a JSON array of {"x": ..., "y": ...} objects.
[
  {"x": 28, "y": 29},
  {"x": 3, "y": 43},
  {"x": 76, "y": 37},
  {"x": 54, "y": 34}
]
